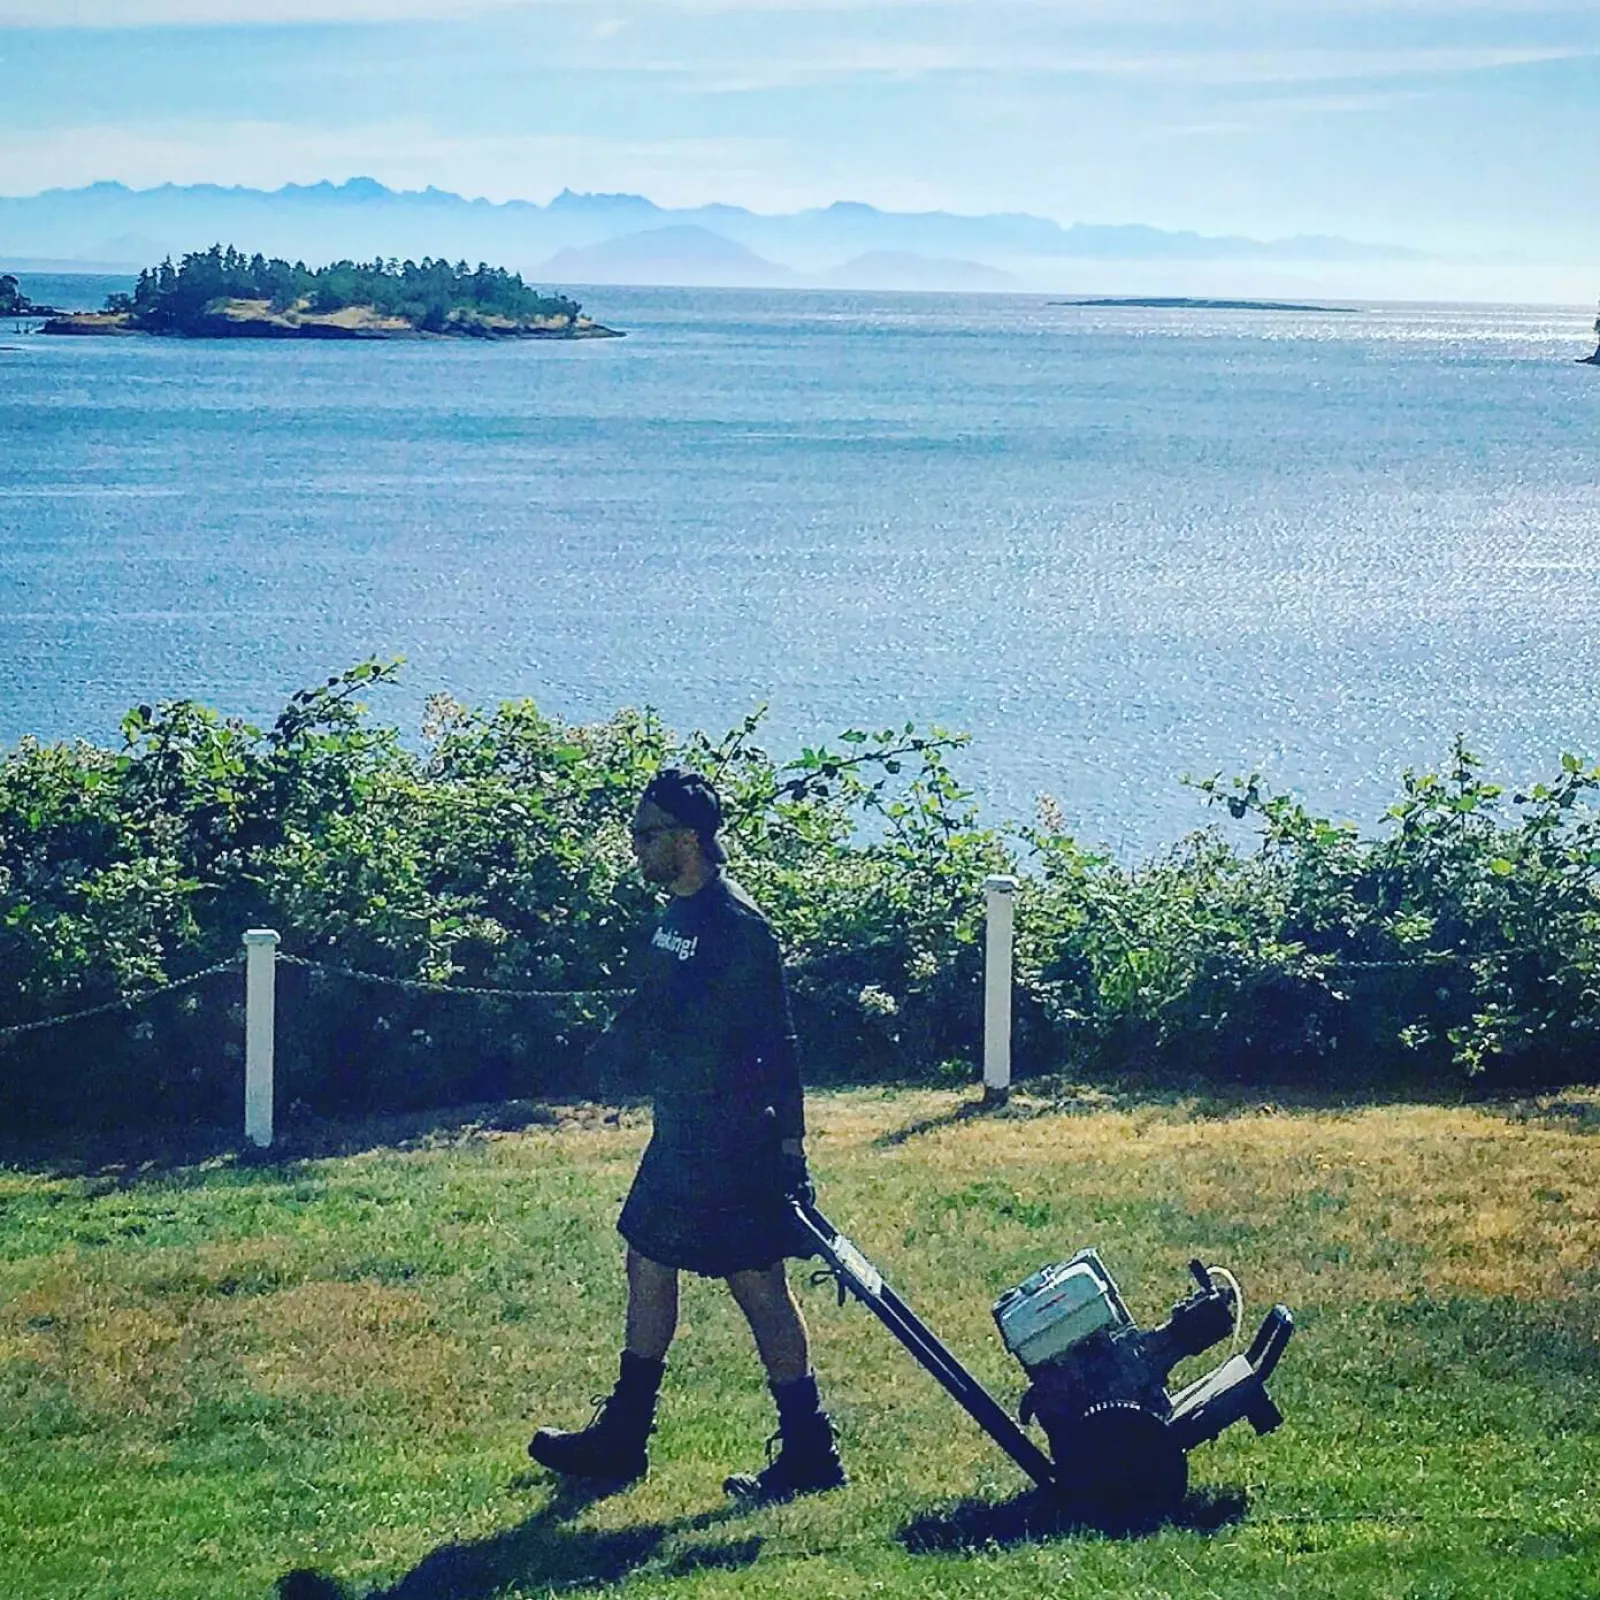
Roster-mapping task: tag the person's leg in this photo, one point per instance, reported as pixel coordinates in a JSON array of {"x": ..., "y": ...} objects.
[
  {"x": 613, "y": 1445},
  {"x": 652, "y": 1306},
  {"x": 808, "y": 1460},
  {"x": 770, "y": 1308}
]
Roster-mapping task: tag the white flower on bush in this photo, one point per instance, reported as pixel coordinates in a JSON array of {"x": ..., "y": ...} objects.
[{"x": 879, "y": 1002}]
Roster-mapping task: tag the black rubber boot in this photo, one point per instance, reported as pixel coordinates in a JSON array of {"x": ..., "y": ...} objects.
[
  {"x": 808, "y": 1459},
  {"x": 612, "y": 1447}
]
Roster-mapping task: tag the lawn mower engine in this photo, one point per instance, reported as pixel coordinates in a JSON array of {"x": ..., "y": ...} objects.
[{"x": 1098, "y": 1383}]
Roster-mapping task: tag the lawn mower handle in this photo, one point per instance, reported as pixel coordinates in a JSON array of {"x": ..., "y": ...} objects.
[{"x": 854, "y": 1274}]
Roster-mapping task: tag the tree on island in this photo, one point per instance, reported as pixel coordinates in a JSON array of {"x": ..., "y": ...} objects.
[
  {"x": 13, "y": 302},
  {"x": 429, "y": 295}
]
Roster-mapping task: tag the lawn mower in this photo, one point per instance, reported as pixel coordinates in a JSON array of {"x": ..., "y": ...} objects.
[{"x": 1119, "y": 1441}]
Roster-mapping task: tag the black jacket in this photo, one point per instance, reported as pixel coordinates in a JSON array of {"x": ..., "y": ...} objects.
[{"x": 708, "y": 1032}]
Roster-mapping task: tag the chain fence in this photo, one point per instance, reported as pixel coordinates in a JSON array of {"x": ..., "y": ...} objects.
[
  {"x": 123, "y": 1002},
  {"x": 126, "y": 1002},
  {"x": 423, "y": 986},
  {"x": 130, "y": 1001}
]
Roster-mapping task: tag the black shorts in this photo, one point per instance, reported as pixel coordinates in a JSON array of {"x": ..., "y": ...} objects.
[{"x": 713, "y": 1219}]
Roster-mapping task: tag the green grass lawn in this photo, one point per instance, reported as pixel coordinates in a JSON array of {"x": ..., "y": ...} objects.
[{"x": 215, "y": 1374}]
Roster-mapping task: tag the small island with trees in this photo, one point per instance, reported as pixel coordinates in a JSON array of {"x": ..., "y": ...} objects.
[{"x": 224, "y": 294}]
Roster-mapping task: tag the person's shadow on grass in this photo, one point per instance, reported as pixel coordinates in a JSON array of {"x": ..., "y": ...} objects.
[
  {"x": 1033, "y": 1516},
  {"x": 544, "y": 1553}
]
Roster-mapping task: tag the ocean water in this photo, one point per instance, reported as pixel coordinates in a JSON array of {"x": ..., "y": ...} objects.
[{"x": 1114, "y": 545}]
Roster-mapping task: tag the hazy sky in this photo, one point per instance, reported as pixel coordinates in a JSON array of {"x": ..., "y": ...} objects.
[{"x": 1470, "y": 127}]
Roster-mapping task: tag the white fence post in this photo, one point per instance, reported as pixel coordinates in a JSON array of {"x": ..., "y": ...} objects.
[
  {"x": 998, "y": 892},
  {"x": 260, "y": 999}
]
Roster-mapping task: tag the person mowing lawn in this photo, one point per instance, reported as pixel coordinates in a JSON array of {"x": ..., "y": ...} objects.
[{"x": 708, "y": 1033}]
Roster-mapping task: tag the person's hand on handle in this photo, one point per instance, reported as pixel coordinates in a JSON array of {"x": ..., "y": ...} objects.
[{"x": 794, "y": 1174}]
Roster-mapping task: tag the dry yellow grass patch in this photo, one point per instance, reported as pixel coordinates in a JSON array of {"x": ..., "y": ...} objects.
[
  {"x": 1405, "y": 1199},
  {"x": 121, "y": 1350},
  {"x": 113, "y": 1355},
  {"x": 247, "y": 310},
  {"x": 345, "y": 1339},
  {"x": 363, "y": 318}
]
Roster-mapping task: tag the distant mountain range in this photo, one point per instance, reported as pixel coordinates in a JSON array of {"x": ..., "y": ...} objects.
[
  {"x": 691, "y": 255},
  {"x": 609, "y": 238},
  {"x": 684, "y": 254}
]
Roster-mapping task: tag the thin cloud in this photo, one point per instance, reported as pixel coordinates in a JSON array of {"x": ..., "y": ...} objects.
[
  {"x": 1323, "y": 66},
  {"x": 1339, "y": 105},
  {"x": 1266, "y": 113},
  {"x": 1212, "y": 68}
]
